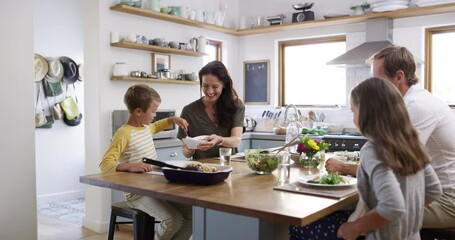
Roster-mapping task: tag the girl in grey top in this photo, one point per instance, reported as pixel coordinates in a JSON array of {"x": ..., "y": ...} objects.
[{"x": 394, "y": 178}]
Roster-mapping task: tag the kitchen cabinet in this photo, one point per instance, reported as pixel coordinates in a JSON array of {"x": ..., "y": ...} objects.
[
  {"x": 261, "y": 144},
  {"x": 170, "y": 153},
  {"x": 244, "y": 144},
  {"x": 403, "y": 13}
]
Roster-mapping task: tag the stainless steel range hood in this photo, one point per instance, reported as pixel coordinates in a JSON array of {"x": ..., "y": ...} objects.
[{"x": 378, "y": 35}]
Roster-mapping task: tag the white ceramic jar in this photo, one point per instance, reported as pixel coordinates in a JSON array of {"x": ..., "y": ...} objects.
[
  {"x": 201, "y": 44},
  {"x": 120, "y": 70}
]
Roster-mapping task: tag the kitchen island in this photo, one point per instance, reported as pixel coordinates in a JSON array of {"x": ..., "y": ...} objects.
[{"x": 245, "y": 206}]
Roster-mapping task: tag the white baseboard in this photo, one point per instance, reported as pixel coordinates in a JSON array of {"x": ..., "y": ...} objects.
[
  {"x": 61, "y": 196},
  {"x": 99, "y": 227}
]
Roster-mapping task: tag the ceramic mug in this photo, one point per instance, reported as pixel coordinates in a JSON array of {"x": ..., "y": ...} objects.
[
  {"x": 192, "y": 15},
  {"x": 184, "y": 11},
  {"x": 175, "y": 11}
]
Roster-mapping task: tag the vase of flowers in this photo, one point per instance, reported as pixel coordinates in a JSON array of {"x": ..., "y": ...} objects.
[{"x": 310, "y": 151}]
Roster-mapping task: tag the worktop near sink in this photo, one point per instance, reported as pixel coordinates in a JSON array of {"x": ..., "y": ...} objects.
[{"x": 175, "y": 142}]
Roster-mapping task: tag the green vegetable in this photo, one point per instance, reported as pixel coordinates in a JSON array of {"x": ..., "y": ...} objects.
[
  {"x": 329, "y": 179},
  {"x": 261, "y": 160}
]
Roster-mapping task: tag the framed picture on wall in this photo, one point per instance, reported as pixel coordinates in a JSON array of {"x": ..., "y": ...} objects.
[
  {"x": 257, "y": 82},
  {"x": 160, "y": 62}
]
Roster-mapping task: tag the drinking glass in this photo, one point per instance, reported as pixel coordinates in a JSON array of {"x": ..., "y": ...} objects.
[
  {"x": 225, "y": 156},
  {"x": 284, "y": 167}
]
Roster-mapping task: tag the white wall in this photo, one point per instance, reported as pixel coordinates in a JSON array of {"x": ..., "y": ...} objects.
[
  {"x": 17, "y": 145},
  {"x": 60, "y": 150},
  {"x": 407, "y": 32}
]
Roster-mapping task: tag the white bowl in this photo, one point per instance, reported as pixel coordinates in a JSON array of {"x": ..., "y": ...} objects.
[{"x": 193, "y": 143}]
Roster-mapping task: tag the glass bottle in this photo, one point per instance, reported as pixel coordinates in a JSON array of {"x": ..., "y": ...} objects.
[{"x": 292, "y": 131}]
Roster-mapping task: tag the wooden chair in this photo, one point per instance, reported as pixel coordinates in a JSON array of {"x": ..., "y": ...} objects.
[
  {"x": 437, "y": 233},
  {"x": 143, "y": 224}
]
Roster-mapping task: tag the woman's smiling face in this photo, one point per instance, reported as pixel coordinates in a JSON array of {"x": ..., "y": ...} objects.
[{"x": 212, "y": 87}]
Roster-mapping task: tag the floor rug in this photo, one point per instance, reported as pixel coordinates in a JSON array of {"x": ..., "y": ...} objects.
[{"x": 70, "y": 210}]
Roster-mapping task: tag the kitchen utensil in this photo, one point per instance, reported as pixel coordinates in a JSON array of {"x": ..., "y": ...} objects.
[
  {"x": 261, "y": 161},
  {"x": 135, "y": 74},
  {"x": 293, "y": 142},
  {"x": 321, "y": 117},
  {"x": 163, "y": 164},
  {"x": 195, "y": 177}
]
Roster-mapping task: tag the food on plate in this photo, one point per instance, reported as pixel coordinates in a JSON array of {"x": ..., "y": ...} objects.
[
  {"x": 197, "y": 166},
  {"x": 350, "y": 156},
  {"x": 329, "y": 179},
  {"x": 261, "y": 161}
]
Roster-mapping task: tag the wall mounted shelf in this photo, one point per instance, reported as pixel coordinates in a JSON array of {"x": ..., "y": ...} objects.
[
  {"x": 404, "y": 13},
  {"x": 174, "y": 81},
  {"x": 153, "y": 48},
  {"x": 171, "y": 18}
]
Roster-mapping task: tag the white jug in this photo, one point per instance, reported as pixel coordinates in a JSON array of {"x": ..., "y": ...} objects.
[{"x": 201, "y": 44}]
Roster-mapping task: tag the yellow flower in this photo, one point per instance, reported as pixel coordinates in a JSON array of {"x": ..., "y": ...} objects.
[{"x": 313, "y": 144}]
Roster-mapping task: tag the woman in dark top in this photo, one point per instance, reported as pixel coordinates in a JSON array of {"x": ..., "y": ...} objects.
[{"x": 218, "y": 114}]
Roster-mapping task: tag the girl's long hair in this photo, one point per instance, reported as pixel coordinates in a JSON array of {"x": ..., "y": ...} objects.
[
  {"x": 384, "y": 120},
  {"x": 228, "y": 102}
]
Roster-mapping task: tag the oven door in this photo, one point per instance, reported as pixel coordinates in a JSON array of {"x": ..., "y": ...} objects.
[{"x": 120, "y": 117}]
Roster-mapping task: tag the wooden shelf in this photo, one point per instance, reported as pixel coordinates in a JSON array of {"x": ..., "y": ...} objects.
[
  {"x": 404, "y": 13},
  {"x": 174, "y": 81},
  {"x": 153, "y": 48},
  {"x": 171, "y": 18}
]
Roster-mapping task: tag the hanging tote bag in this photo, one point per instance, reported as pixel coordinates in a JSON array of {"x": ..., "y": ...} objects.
[
  {"x": 73, "y": 115},
  {"x": 41, "y": 120},
  {"x": 70, "y": 108}
]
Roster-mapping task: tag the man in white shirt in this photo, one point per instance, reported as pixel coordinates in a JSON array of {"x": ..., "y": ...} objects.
[{"x": 435, "y": 123}]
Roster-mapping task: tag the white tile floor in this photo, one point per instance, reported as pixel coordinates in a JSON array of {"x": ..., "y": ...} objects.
[{"x": 70, "y": 210}]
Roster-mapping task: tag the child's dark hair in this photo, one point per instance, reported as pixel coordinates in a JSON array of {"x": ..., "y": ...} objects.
[{"x": 140, "y": 96}]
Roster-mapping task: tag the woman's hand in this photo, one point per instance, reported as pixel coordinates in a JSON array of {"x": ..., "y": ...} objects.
[
  {"x": 211, "y": 141},
  {"x": 348, "y": 231}
]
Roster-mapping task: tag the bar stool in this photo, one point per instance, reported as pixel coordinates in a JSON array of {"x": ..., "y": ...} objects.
[
  {"x": 143, "y": 224},
  {"x": 437, "y": 233}
]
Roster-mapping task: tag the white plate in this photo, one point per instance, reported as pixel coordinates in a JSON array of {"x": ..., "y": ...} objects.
[
  {"x": 193, "y": 143},
  {"x": 389, "y": 8},
  {"x": 389, "y": 3},
  {"x": 349, "y": 181}
]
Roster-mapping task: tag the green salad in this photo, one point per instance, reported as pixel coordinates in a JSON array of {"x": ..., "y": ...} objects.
[
  {"x": 329, "y": 179},
  {"x": 261, "y": 161}
]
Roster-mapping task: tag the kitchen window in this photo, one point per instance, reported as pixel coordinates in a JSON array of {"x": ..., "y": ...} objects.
[
  {"x": 304, "y": 77},
  {"x": 439, "y": 63},
  {"x": 213, "y": 50}
]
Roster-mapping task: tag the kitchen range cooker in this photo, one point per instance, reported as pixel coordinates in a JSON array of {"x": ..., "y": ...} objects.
[{"x": 344, "y": 142}]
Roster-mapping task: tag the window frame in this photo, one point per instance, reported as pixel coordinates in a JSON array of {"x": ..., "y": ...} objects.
[
  {"x": 429, "y": 32},
  {"x": 218, "y": 45},
  {"x": 281, "y": 56}
]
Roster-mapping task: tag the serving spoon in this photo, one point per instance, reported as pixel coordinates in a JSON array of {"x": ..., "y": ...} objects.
[{"x": 293, "y": 142}]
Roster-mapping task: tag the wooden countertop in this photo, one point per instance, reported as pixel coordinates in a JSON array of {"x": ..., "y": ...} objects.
[{"x": 244, "y": 193}]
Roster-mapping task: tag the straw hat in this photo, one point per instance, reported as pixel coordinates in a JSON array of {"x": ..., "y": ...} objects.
[{"x": 41, "y": 67}]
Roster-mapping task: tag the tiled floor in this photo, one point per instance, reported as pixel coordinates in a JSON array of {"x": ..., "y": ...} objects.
[
  {"x": 70, "y": 211},
  {"x": 62, "y": 220}
]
